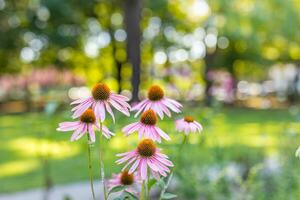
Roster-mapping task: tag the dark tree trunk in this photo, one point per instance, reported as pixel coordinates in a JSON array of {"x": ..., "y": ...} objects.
[
  {"x": 118, "y": 64},
  {"x": 132, "y": 10},
  {"x": 119, "y": 76},
  {"x": 209, "y": 62}
]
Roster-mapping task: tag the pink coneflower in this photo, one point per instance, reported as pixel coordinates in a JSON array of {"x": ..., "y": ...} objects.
[
  {"x": 146, "y": 127},
  {"x": 86, "y": 124},
  {"x": 144, "y": 156},
  {"x": 100, "y": 101},
  {"x": 130, "y": 181},
  {"x": 188, "y": 125},
  {"x": 157, "y": 102}
]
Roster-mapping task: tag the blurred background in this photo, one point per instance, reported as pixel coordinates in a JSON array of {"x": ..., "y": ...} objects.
[{"x": 235, "y": 65}]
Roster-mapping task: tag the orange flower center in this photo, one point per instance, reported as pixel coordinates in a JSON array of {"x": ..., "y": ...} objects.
[
  {"x": 155, "y": 93},
  {"x": 101, "y": 91},
  {"x": 149, "y": 117},
  {"x": 146, "y": 148},
  {"x": 189, "y": 119},
  {"x": 88, "y": 116},
  {"x": 126, "y": 178}
]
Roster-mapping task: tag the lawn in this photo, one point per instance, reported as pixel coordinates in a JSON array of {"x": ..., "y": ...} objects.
[{"x": 242, "y": 153}]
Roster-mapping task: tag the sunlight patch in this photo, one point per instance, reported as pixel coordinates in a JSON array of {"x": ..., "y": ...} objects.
[
  {"x": 17, "y": 167},
  {"x": 41, "y": 147}
]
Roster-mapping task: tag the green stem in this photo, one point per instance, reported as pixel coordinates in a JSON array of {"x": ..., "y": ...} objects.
[
  {"x": 91, "y": 170},
  {"x": 143, "y": 191},
  {"x": 185, "y": 138},
  {"x": 183, "y": 142},
  {"x": 147, "y": 190},
  {"x": 102, "y": 172}
]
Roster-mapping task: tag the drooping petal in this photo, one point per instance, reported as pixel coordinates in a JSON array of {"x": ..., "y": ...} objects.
[
  {"x": 127, "y": 130},
  {"x": 134, "y": 166},
  {"x": 176, "y": 103},
  {"x": 117, "y": 106},
  {"x": 81, "y": 108},
  {"x": 142, "y": 106},
  {"x": 68, "y": 126},
  {"x": 143, "y": 168},
  {"x": 91, "y": 132},
  {"x": 126, "y": 157},
  {"x": 109, "y": 110},
  {"x": 162, "y": 134},
  {"x": 79, "y": 132},
  {"x": 101, "y": 108},
  {"x": 157, "y": 108},
  {"x": 139, "y": 106},
  {"x": 170, "y": 105},
  {"x": 128, "y": 163},
  {"x": 79, "y": 101},
  {"x": 106, "y": 132},
  {"x": 199, "y": 125},
  {"x": 152, "y": 165},
  {"x": 120, "y": 101}
]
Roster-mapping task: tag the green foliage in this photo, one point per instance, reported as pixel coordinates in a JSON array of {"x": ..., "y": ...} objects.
[
  {"x": 260, "y": 34},
  {"x": 169, "y": 196},
  {"x": 116, "y": 189},
  {"x": 246, "y": 154}
]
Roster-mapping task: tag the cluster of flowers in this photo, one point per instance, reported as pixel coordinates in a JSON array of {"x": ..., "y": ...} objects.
[
  {"x": 41, "y": 79},
  {"x": 146, "y": 159}
]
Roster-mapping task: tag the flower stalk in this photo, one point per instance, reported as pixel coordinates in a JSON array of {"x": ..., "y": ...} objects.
[
  {"x": 143, "y": 195},
  {"x": 90, "y": 168},
  {"x": 185, "y": 138},
  {"x": 102, "y": 172}
]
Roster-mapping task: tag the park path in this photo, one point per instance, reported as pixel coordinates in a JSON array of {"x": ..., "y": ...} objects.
[{"x": 74, "y": 191}]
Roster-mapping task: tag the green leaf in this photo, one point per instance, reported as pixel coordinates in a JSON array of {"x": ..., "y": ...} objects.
[
  {"x": 151, "y": 183},
  {"x": 169, "y": 196},
  {"x": 118, "y": 198},
  {"x": 116, "y": 189},
  {"x": 161, "y": 183},
  {"x": 130, "y": 196}
]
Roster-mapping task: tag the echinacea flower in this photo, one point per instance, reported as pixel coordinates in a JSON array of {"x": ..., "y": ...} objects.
[
  {"x": 86, "y": 124},
  {"x": 130, "y": 182},
  {"x": 297, "y": 154},
  {"x": 144, "y": 156},
  {"x": 157, "y": 102},
  {"x": 101, "y": 101},
  {"x": 188, "y": 125},
  {"x": 146, "y": 127}
]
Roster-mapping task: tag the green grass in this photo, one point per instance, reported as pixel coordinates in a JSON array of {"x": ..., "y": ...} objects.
[{"x": 234, "y": 141}]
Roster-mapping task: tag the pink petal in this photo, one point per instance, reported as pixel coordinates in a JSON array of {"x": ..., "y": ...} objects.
[
  {"x": 123, "y": 110},
  {"x": 158, "y": 110},
  {"x": 81, "y": 108},
  {"x": 143, "y": 167},
  {"x": 127, "y": 130},
  {"x": 144, "y": 103},
  {"x": 109, "y": 110},
  {"x": 139, "y": 105},
  {"x": 134, "y": 166},
  {"x": 152, "y": 165},
  {"x": 162, "y": 134},
  {"x": 128, "y": 163},
  {"x": 170, "y": 105},
  {"x": 121, "y": 97},
  {"x": 91, "y": 132},
  {"x": 68, "y": 126},
  {"x": 176, "y": 103},
  {"x": 78, "y": 132},
  {"x": 106, "y": 132},
  {"x": 78, "y": 101}
]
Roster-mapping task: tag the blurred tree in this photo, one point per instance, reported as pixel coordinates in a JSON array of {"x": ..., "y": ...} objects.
[
  {"x": 235, "y": 35},
  {"x": 132, "y": 12}
]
